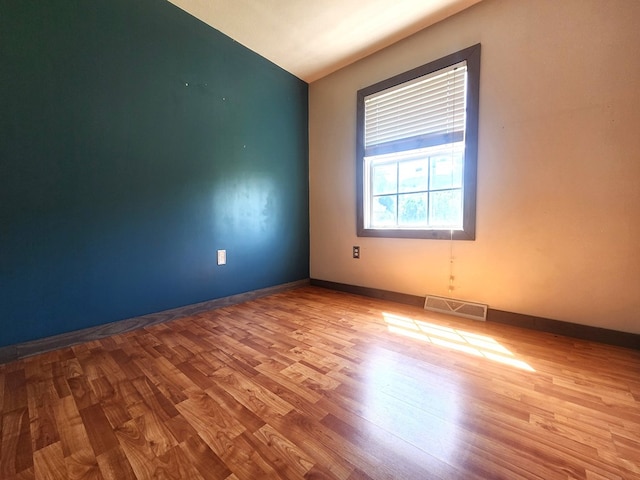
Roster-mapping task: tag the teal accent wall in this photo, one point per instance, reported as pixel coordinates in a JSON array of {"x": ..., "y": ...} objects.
[{"x": 135, "y": 141}]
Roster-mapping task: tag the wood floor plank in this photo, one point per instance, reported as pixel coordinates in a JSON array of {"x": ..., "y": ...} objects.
[
  {"x": 82, "y": 465},
  {"x": 251, "y": 395},
  {"x": 290, "y": 461},
  {"x": 15, "y": 390},
  {"x": 112, "y": 403},
  {"x": 155, "y": 431},
  {"x": 2, "y": 380},
  {"x": 175, "y": 464},
  {"x": 208, "y": 464},
  {"x": 317, "y": 384},
  {"x": 214, "y": 423},
  {"x": 249, "y": 419},
  {"x": 300, "y": 431},
  {"x": 15, "y": 454},
  {"x": 245, "y": 460},
  {"x": 98, "y": 429},
  {"x": 379, "y": 457},
  {"x": 44, "y": 430},
  {"x": 136, "y": 448},
  {"x": 49, "y": 463},
  {"x": 114, "y": 465},
  {"x": 59, "y": 381}
]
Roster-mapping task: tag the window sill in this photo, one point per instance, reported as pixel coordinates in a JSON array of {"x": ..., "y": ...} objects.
[{"x": 425, "y": 234}]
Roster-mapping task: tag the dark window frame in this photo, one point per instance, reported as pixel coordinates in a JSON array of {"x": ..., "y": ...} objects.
[{"x": 468, "y": 232}]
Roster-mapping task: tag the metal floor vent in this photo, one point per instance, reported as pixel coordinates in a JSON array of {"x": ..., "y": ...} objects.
[{"x": 460, "y": 308}]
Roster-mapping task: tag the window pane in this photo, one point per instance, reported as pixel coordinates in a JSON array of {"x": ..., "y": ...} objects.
[
  {"x": 414, "y": 176},
  {"x": 445, "y": 208},
  {"x": 383, "y": 211},
  {"x": 446, "y": 171},
  {"x": 384, "y": 178},
  {"x": 412, "y": 209}
]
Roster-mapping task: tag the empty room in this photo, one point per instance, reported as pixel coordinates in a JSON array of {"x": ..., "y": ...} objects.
[{"x": 286, "y": 239}]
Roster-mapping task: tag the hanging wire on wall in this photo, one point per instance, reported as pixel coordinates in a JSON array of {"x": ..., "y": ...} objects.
[{"x": 451, "y": 275}]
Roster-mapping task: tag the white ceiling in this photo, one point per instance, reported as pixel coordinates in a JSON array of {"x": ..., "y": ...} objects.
[{"x": 312, "y": 38}]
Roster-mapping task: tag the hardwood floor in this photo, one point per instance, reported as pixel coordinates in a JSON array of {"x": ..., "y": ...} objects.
[{"x": 313, "y": 383}]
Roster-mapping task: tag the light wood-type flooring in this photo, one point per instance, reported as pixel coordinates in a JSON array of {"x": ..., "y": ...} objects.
[{"x": 313, "y": 383}]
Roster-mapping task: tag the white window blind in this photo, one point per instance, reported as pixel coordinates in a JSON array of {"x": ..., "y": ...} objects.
[{"x": 426, "y": 111}]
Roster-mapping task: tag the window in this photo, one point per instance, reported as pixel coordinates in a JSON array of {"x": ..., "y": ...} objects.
[{"x": 417, "y": 151}]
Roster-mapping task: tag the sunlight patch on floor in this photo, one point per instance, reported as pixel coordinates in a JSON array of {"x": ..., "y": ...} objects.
[{"x": 467, "y": 342}]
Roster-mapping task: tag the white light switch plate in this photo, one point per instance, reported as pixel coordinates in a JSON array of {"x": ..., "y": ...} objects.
[{"x": 222, "y": 257}]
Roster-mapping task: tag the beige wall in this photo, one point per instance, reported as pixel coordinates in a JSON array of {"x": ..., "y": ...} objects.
[{"x": 558, "y": 217}]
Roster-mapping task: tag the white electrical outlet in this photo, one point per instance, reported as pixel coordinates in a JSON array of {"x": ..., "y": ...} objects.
[{"x": 222, "y": 257}]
